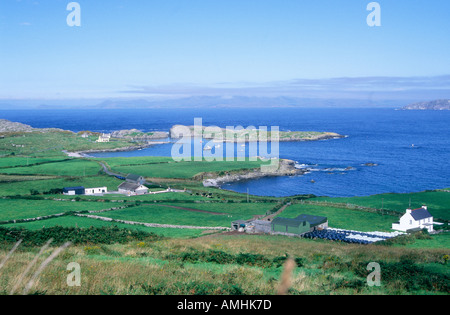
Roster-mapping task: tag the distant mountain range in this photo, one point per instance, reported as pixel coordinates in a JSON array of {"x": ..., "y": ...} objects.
[
  {"x": 203, "y": 102},
  {"x": 240, "y": 102},
  {"x": 432, "y": 105}
]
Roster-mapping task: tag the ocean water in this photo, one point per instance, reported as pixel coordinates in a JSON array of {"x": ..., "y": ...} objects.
[{"x": 411, "y": 148}]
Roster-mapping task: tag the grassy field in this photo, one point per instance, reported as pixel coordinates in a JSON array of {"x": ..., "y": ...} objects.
[
  {"x": 438, "y": 202},
  {"x": 24, "y": 187},
  {"x": 189, "y": 261},
  {"x": 344, "y": 218},
  {"x": 12, "y": 209},
  {"x": 51, "y": 144},
  {"x": 234, "y": 265},
  {"x": 164, "y": 215},
  {"x": 167, "y": 168},
  {"x": 72, "y": 167},
  {"x": 82, "y": 222}
]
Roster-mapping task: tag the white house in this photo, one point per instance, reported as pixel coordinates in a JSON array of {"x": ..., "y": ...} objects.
[
  {"x": 415, "y": 219},
  {"x": 132, "y": 189},
  {"x": 95, "y": 191},
  {"x": 104, "y": 138}
]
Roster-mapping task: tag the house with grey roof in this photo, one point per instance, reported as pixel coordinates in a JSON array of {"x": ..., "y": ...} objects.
[
  {"x": 132, "y": 189},
  {"x": 133, "y": 178},
  {"x": 417, "y": 219}
]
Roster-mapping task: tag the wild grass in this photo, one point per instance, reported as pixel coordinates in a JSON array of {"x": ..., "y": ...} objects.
[{"x": 156, "y": 268}]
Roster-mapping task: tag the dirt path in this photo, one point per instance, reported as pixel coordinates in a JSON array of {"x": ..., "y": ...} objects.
[{"x": 270, "y": 217}]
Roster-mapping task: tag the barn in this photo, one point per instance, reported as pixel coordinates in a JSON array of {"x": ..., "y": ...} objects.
[
  {"x": 302, "y": 224},
  {"x": 72, "y": 191}
]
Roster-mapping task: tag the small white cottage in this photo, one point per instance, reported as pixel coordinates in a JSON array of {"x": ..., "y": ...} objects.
[
  {"x": 96, "y": 191},
  {"x": 415, "y": 219}
]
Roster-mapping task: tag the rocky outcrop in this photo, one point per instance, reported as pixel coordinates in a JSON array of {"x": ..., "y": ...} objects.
[
  {"x": 282, "y": 168},
  {"x": 134, "y": 134},
  {"x": 7, "y": 126}
]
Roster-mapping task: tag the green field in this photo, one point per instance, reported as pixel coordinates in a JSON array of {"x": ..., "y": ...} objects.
[
  {"x": 24, "y": 187},
  {"x": 73, "y": 167},
  {"x": 25, "y": 161},
  {"x": 164, "y": 215},
  {"x": 51, "y": 144},
  {"x": 15, "y": 209},
  {"x": 438, "y": 202},
  {"x": 167, "y": 168},
  {"x": 344, "y": 218},
  {"x": 82, "y": 222}
]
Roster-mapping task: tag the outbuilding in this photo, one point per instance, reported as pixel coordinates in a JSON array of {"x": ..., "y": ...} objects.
[
  {"x": 300, "y": 225},
  {"x": 72, "y": 191},
  {"x": 96, "y": 191},
  {"x": 133, "y": 178}
]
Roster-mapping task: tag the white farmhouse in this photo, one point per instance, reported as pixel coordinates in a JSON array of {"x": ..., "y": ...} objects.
[
  {"x": 415, "y": 219},
  {"x": 104, "y": 138}
]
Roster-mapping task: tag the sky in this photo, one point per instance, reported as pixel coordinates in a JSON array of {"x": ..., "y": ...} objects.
[{"x": 173, "y": 48}]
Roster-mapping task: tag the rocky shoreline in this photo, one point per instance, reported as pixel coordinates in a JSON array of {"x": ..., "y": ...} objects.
[{"x": 286, "y": 168}]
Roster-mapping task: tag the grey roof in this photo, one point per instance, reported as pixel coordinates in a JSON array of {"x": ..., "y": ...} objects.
[
  {"x": 288, "y": 222},
  {"x": 129, "y": 186},
  {"x": 134, "y": 177},
  {"x": 301, "y": 220},
  {"x": 312, "y": 219},
  {"x": 420, "y": 214}
]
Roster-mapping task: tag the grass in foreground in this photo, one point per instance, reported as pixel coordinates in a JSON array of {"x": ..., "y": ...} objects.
[{"x": 234, "y": 265}]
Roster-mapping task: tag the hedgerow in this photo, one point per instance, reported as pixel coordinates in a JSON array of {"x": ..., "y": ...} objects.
[{"x": 60, "y": 235}]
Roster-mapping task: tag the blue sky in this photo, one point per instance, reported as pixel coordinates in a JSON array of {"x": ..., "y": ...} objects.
[{"x": 171, "y": 47}]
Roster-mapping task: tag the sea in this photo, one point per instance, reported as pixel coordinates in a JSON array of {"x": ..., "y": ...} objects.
[{"x": 384, "y": 151}]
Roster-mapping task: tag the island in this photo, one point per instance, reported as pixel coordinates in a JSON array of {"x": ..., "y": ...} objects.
[
  {"x": 431, "y": 105},
  {"x": 246, "y": 135}
]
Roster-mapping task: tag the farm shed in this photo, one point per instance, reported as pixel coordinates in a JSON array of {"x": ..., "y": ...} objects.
[
  {"x": 290, "y": 226},
  {"x": 302, "y": 224},
  {"x": 236, "y": 225},
  {"x": 72, "y": 191}
]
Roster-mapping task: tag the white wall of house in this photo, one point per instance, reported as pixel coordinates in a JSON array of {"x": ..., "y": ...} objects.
[
  {"x": 407, "y": 222},
  {"x": 96, "y": 191},
  {"x": 142, "y": 190}
]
